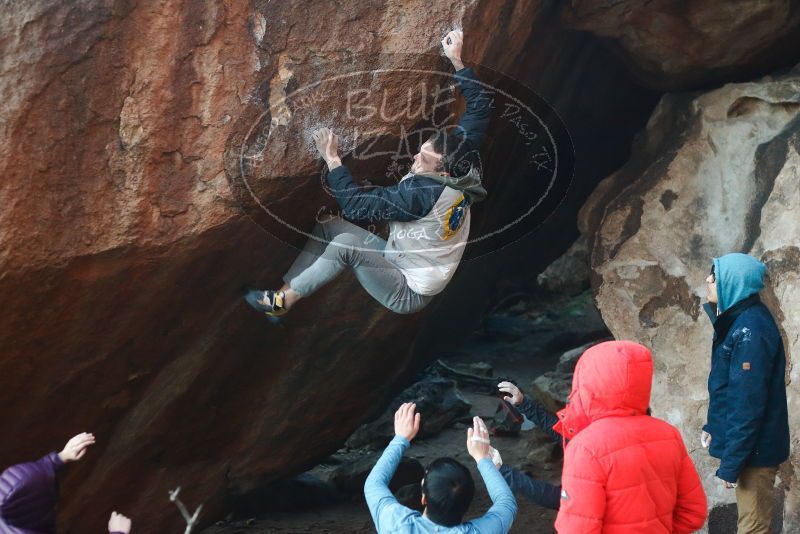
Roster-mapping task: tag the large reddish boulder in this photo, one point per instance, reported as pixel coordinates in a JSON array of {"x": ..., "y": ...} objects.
[{"x": 127, "y": 229}]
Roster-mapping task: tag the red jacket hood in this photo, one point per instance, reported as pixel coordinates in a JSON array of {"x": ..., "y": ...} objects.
[{"x": 611, "y": 379}]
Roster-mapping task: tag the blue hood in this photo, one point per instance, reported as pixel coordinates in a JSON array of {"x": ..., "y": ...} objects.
[{"x": 738, "y": 277}]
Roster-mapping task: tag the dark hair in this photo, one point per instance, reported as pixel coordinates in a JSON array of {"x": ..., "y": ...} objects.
[
  {"x": 448, "y": 488},
  {"x": 450, "y": 145}
]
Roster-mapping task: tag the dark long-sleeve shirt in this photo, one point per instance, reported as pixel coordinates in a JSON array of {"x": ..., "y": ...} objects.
[
  {"x": 540, "y": 416},
  {"x": 542, "y": 493}
]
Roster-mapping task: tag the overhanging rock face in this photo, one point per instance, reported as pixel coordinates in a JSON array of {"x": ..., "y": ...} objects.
[
  {"x": 713, "y": 173},
  {"x": 126, "y": 233}
]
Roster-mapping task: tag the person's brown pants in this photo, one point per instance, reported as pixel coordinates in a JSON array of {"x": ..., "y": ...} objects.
[{"x": 755, "y": 496}]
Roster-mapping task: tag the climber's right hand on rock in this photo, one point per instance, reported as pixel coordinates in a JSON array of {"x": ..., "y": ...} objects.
[
  {"x": 514, "y": 395},
  {"x": 406, "y": 422},
  {"x": 327, "y": 144},
  {"x": 705, "y": 439}
]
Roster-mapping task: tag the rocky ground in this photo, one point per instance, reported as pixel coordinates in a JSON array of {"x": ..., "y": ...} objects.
[{"x": 522, "y": 339}]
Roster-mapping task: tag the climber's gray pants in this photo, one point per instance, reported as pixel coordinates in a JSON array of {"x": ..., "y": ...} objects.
[{"x": 337, "y": 244}]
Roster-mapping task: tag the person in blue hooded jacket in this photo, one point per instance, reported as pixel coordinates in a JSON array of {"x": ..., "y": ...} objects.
[{"x": 747, "y": 426}]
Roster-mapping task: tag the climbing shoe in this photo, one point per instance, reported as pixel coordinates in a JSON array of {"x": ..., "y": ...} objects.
[{"x": 267, "y": 302}]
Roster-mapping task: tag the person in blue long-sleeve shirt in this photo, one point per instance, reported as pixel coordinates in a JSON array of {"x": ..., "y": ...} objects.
[{"x": 447, "y": 488}]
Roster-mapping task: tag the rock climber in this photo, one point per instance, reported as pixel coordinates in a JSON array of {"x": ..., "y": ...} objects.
[{"x": 428, "y": 214}]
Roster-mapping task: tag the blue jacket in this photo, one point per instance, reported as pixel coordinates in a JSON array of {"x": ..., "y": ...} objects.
[
  {"x": 541, "y": 417},
  {"x": 415, "y": 197},
  {"x": 390, "y": 516},
  {"x": 747, "y": 413}
]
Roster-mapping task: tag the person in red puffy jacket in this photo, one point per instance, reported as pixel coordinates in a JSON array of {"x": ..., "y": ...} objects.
[{"x": 624, "y": 471}]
